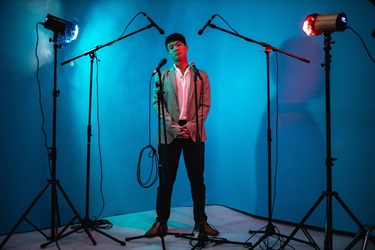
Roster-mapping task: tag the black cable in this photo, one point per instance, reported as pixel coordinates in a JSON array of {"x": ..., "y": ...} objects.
[
  {"x": 277, "y": 114},
  {"x": 154, "y": 165},
  {"x": 40, "y": 96},
  {"x": 99, "y": 141},
  {"x": 152, "y": 154},
  {"x": 364, "y": 44},
  {"x": 277, "y": 232},
  {"x": 279, "y": 239},
  {"x": 57, "y": 245},
  {"x": 42, "y": 112},
  {"x": 128, "y": 26},
  {"x": 101, "y": 223},
  {"x": 120, "y": 37},
  {"x": 276, "y": 133},
  {"x": 227, "y": 24}
]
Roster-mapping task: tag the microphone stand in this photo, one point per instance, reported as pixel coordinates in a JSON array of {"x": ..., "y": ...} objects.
[
  {"x": 87, "y": 222},
  {"x": 202, "y": 238},
  {"x": 161, "y": 118},
  {"x": 270, "y": 228},
  {"x": 55, "y": 184}
]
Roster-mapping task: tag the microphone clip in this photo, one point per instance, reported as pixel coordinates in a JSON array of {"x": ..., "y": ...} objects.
[{"x": 196, "y": 71}]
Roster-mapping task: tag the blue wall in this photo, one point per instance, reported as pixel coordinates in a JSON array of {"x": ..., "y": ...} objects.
[{"x": 236, "y": 162}]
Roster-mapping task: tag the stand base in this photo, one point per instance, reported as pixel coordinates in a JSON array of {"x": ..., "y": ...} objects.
[
  {"x": 55, "y": 185},
  {"x": 161, "y": 233},
  {"x": 328, "y": 231},
  {"x": 85, "y": 223},
  {"x": 203, "y": 240},
  {"x": 270, "y": 231}
]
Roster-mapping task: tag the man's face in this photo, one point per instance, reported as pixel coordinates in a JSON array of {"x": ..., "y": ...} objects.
[{"x": 177, "y": 51}]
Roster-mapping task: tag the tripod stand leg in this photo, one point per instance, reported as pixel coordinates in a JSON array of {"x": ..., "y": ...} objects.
[
  {"x": 162, "y": 242},
  {"x": 204, "y": 240},
  {"x": 55, "y": 211},
  {"x": 309, "y": 237},
  {"x": 109, "y": 236},
  {"x": 362, "y": 229},
  {"x": 160, "y": 234},
  {"x": 75, "y": 212},
  {"x": 300, "y": 225},
  {"x": 269, "y": 230},
  {"x": 23, "y": 217},
  {"x": 60, "y": 236},
  {"x": 88, "y": 223},
  {"x": 367, "y": 238}
]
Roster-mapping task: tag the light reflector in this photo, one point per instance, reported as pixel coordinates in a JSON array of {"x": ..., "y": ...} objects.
[
  {"x": 64, "y": 32},
  {"x": 316, "y": 24}
]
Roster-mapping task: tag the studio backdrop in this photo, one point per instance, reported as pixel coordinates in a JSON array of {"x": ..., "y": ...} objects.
[{"x": 237, "y": 160}]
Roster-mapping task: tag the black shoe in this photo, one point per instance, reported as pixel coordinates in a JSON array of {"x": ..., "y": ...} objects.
[
  {"x": 156, "y": 229},
  {"x": 208, "y": 229}
]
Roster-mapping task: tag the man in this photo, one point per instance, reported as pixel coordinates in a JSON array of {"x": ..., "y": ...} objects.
[{"x": 183, "y": 133}]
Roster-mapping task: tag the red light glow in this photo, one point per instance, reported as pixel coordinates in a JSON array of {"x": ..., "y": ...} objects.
[{"x": 308, "y": 26}]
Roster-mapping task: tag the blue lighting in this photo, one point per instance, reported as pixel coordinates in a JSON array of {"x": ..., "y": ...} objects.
[
  {"x": 64, "y": 32},
  {"x": 70, "y": 33}
]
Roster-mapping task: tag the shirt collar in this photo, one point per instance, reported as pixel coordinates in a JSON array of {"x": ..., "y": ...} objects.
[{"x": 187, "y": 71}]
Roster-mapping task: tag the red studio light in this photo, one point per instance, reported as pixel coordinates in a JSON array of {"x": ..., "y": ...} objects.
[{"x": 316, "y": 24}]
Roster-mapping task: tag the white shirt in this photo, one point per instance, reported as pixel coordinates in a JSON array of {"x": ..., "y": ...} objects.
[{"x": 183, "y": 83}]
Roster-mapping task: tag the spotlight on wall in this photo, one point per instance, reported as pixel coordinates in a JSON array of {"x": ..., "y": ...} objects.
[
  {"x": 64, "y": 32},
  {"x": 316, "y": 24}
]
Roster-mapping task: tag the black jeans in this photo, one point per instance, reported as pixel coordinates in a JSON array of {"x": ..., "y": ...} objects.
[{"x": 169, "y": 160}]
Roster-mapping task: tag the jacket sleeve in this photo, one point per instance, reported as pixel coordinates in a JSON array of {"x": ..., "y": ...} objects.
[
  {"x": 168, "y": 102},
  {"x": 204, "y": 104}
]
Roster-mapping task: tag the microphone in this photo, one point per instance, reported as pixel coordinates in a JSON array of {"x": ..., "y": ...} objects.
[
  {"x": 154, "y": 24},
  {"x": 196, "y": 71},
  {"x": 161, "y": 64},
  {"x": 200, "y": 32}
]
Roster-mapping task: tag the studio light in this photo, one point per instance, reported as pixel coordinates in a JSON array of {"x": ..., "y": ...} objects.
[
  {"x": 316, "y": 24},
  {"x": 64, "y": 32}
]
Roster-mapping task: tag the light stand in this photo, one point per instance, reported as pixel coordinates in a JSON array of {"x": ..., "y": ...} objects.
[
  {"x": 270, "y": 228},
  {"x": 87, "y": 222},
  {"x": 329, "y": 194},
  {"x": 55, "y": 184}
]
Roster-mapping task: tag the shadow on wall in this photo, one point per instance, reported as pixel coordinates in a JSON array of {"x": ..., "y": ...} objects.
[{"x": 297, "y": 143}]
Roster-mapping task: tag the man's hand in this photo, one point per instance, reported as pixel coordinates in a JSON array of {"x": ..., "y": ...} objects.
[{"x": 183, "y": 133}]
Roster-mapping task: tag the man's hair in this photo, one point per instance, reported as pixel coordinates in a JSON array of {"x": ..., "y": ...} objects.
[{"x": 174, "y": 37}]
